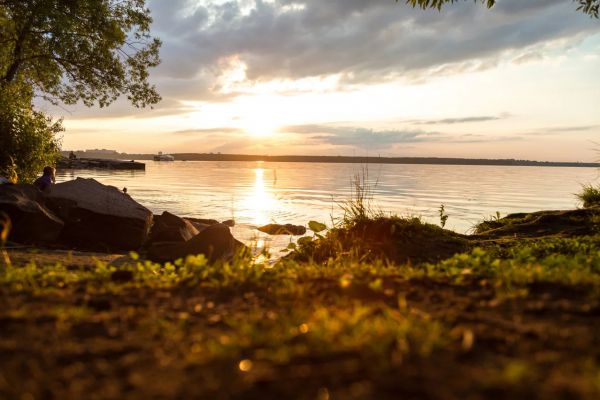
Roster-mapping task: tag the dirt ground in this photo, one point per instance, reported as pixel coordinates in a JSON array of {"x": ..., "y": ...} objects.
[{"x": 140, "y": 342}]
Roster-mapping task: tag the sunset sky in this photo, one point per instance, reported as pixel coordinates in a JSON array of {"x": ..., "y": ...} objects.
[{"x": 363, "y": 77}]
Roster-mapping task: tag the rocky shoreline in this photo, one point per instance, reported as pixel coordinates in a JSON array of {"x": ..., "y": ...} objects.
[{"x": 86, "y": 215}]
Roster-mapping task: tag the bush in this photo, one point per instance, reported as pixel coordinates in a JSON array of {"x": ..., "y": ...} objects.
[
  {"x": 590, "y": 196},
  {"x": 28, "y": 138}
]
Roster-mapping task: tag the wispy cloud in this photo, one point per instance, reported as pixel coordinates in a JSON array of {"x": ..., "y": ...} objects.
[
  {"x": 563, "y": 129},
  {"x": 464, "y": 120},
  {"x": 207, "y": 131}
]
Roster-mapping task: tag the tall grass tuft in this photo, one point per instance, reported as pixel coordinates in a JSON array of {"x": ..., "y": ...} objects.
[
  {"x": 590, "y": 196},
  {"x": 360, "y": 205}
]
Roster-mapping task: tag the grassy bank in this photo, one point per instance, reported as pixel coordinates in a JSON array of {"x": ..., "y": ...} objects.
[{"x": 503, "y": 318}]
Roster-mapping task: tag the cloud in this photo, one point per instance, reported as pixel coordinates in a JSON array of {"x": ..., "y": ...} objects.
[
  {"x": 476, "y": 138},
  {"x": 364, "y": 138},
  {"x": 579, "y": 128},
  {"x": 208, "y": 131},
  {"x": 563, "y": 129},
  {"x": 363, "y": 40},
  {"x": 361, "y": 137},
  {"x": 464, "y": 120}
]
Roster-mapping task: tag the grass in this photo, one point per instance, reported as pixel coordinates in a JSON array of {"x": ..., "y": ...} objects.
[
  {"x": 355, "y": 329},
  {"x": 590, "y": 196},
  {"x": 359, "y": 207}
]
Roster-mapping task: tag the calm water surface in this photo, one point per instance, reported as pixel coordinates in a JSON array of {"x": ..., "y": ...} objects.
[{"x": 257, "y": 193}]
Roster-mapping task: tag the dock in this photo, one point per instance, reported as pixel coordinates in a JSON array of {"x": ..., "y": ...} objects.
[{"x": 99, "y": 163}]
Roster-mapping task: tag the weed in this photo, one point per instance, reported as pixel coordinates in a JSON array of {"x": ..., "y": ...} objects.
[
  {"x": 489, "y": 223},
  {"x": 589, "y": 196},
  {"x": 443, "y": 216},
  {"x": 360, "y": 205}
]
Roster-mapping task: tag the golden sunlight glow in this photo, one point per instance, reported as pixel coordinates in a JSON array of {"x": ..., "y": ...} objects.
[
  {"x": 260, "y": 127},
  {"x": 260, "y": 202}
]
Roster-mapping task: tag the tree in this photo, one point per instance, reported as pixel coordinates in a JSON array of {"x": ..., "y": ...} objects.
[
  {"x": 590, "y": 7},
  {"x": 68, "y": 51}
]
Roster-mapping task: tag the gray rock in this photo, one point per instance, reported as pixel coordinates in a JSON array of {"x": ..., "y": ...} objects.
[
  {"x": 32, "y": 223},
  {"x": 98, "y": 217},
  {"x": 215, "y": 242},
  {"x": 170, "y": 228}
]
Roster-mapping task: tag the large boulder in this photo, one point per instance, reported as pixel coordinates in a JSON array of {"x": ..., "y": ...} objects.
[
  {"x": 216, "y": 242},
  {"x": 168, "y": 227},
  {"x": 98, "y": 217},
  {"x": 32, "y": 223}
]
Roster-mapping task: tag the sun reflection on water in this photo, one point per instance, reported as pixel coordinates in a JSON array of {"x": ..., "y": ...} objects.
[{"x": 260, "y": 202}]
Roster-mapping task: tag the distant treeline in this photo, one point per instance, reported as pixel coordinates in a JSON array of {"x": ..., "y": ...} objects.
[{"x": 342, "y": 159}]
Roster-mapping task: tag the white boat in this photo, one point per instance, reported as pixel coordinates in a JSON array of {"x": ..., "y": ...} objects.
[{"x": 163, "y": 157}]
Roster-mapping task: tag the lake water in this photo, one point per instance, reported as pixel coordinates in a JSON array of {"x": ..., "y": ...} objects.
[{"x": 258, "y": 193}]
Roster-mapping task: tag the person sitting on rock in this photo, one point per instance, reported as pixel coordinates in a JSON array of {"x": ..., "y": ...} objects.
[{"x": 46, "y": 180}]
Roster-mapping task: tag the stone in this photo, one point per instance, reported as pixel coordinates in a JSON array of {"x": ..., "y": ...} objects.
[
  {"x": 215, "y": 242},
  {"x": 32, "y": 222},
  {"x": 168, "y": 227},
  {"x": 287, "y": 229},
  {"x": 98, "y": 217},
  {"x": 162, "y": 252},
  {"x": 230, "y": 223},
  {"x": 202, "y": 223}
]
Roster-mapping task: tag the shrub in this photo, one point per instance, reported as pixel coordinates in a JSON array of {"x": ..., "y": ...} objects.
[
  {"x": 590, "y": 196},
  {"x": 28, "y": 138}
]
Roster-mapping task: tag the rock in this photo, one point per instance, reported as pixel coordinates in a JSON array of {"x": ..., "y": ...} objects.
[
  {"x": 98, "y": 217},
  {"x": 162, "y": 252},
  {"x": 215, "y": 242},
  {"x": 200, "y": 223},
  {"x": 170, "y": 228},
  {"x": 287, "y": 229},
  {"x": 32, "y": 222},
  {"x": 230, "y": 223}
]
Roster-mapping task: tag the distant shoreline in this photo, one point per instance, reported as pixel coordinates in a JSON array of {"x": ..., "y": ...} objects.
[{"x": 341, "y": 159}]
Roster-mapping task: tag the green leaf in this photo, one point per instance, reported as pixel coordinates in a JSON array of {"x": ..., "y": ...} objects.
[
  {"x": 304, "y": 240},
  {"x": 316, "y": 226}
]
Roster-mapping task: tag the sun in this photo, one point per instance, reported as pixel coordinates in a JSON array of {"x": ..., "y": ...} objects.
[{"x": 260, "y": 126}]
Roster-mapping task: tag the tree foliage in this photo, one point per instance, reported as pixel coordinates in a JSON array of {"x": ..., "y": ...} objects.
[
  {"x": 590, "y": 7},
  {"x": 28, "y": 138},
  {"x": 68, "y": 50}
]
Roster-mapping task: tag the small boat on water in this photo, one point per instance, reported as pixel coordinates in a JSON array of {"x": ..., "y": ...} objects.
[{"x": 163, "y": 157}]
